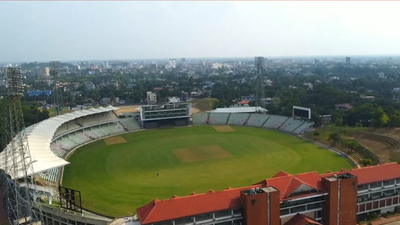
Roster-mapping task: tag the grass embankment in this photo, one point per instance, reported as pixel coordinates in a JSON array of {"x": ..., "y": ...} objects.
[
  {"x": 348, "y": 137},
  {"x": 204, "y": 104},
  {"x": 117, "y": 179}
]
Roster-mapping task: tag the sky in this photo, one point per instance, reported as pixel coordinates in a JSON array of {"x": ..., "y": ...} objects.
[{"x": 109, "y": 30}]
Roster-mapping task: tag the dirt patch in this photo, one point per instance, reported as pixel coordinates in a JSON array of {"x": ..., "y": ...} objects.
[
  {"x": 114, "y": 140},
  {"x": 223, "y": 128},
  {"x": 195, "y": 110},
  {"x": 379, "y": 148},
  {"x": 128, "y": 109},
  {"x": 197, "y": 154}
]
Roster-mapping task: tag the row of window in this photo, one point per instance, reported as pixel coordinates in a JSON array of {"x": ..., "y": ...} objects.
[
  {"x": 377, "y": 195},
  {"x": 379, "y": 184},
  {"x": 301, "y": 202},
  {"x": 301, "y": 208}
]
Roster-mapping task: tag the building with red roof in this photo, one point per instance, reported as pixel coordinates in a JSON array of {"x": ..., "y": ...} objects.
[{"x": 332, "y": 198}]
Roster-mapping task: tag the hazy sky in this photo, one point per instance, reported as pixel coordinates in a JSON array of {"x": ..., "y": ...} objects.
[{"x": 44, "y": 31}]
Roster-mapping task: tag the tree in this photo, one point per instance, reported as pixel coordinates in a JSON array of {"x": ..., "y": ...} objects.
[
  {"x": 379, "y": 117},
  {"x": 366, "y": 162},
  {"x": 334, "y": 138}
]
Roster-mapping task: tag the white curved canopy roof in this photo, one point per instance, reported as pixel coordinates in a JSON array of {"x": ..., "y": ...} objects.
[{"x": 39, "y": 137}]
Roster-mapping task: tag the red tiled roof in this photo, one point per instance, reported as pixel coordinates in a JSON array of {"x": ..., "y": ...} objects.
[
  {"x": 244, "y": 102},
  {"x": 281, "y": 174},
  {"x": 179, "y": 207},
  {"x": 300, "y": 219},
  {"x": 376, "y": 173},
  {"x": 194, "y": 204},
  {"x": 289, "y": 183}
]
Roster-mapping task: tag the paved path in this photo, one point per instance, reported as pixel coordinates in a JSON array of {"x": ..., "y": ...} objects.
[{"x": 388, "y": 221}]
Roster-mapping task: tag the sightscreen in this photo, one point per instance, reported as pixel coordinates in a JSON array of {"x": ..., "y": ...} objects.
[{"x": 301, "y": 112}]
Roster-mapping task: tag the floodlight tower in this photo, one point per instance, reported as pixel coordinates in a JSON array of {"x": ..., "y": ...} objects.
[
  {"x": 260, "y": 95},
  {"x": 54, "y": 73},
  {"x": 20, "y": 191}
]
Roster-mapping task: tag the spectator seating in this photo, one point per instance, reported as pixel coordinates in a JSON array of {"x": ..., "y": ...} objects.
[
  {"x": 291, "y": 124},
  {"x": 275, "y": 121},
  {"x": 130, "y": 124},
  {"x": 238, "y": 118},
  {"x": 303, "y": 127},
  {"x": 218, "y": 118},
  {"x": 50, "y": 175},
  {"x": 287, "y": 124},
  {"x": 200, "y": 118},
  {"x": 257, "y": 120}
]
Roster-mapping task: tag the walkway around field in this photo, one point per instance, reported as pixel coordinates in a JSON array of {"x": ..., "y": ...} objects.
[{"x": 388, "y": 221}]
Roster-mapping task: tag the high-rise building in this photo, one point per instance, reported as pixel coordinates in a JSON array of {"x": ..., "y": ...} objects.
[
  {"x": 47, "y": 71},
  {"x": 348, "y": 60},
  {"x": 106, "y": 64},
  {"x": 151, "y": 98}
]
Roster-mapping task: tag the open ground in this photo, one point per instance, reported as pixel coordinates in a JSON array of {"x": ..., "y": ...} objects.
[{"x": 117, "y": 179}]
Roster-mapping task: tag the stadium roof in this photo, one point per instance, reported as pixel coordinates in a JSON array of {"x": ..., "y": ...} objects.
[
  {"x": 39, "y": 137},
  {"x": 239, "y": 110}
]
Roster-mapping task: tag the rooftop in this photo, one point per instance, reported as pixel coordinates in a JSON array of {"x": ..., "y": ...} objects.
[{"x": 290, "y": 187}]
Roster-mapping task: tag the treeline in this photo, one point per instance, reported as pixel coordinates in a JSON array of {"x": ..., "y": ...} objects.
[{"x": 31, "y": 112}]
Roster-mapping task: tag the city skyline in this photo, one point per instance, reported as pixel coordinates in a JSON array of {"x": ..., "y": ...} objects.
[{"x": 69, "y": 31}]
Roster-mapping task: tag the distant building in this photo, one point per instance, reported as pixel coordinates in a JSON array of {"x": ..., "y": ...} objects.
[
  {"x": 348, "y": 60},
  {"x": 106, "y": 101},
  {"x": 90, "y": 86},
  {"x": 47, "y": 71},
  {"x": 173, "y": 100},
  {"x": 250, "y": 98},
  {"x": 172, "y": 63},
  {"x": 367, "y": 97},
  {"x": 151, "y": 98},
  {"x": 343, "y": 106}
]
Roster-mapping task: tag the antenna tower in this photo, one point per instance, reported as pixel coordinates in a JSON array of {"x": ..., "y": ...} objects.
[
  {"x": 19, "y": 193},
  {"x": 54, "y": 73},
  {"x": 260, "y": 65}
]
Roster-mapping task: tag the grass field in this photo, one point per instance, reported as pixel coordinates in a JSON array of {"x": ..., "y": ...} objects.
[{"x": 117, "y": 179}]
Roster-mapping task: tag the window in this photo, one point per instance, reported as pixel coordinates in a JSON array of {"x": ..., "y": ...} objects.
[
  {"x": 388, "y": 182},
  {"x": 284, "y": 212},
  {"x": 318, "y": 214},
  {"x": 314, "y": 206},
  {"x": 298, "y": 209}
]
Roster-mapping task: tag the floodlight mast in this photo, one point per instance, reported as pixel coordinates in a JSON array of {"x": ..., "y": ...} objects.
[
  {"x": 54, "y": 73},
  {"x": 19, "y": 199}
]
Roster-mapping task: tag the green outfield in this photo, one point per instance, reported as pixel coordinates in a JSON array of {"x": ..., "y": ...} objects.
[{"x": 128, "y": 172}]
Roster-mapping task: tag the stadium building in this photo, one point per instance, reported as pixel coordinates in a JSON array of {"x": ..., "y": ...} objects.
[
  {"x": 309, "y": 198},
  {"x": 168, "y": 115},
  {"x": 333, "y": 198}
]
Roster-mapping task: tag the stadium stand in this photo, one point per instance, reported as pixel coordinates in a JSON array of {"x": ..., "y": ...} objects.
[
  {"x": 200, "y": 118},
  {"x": 218, "y": 118},
  {"x": 290, "y": 125},
  {"x": 129, "y": 124},
  {"x": 275, "y": 121},
  {"x": 238, "y": 118},
  {"x": 282, "y": 123},
  {"x": 257, "y": 120}
]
